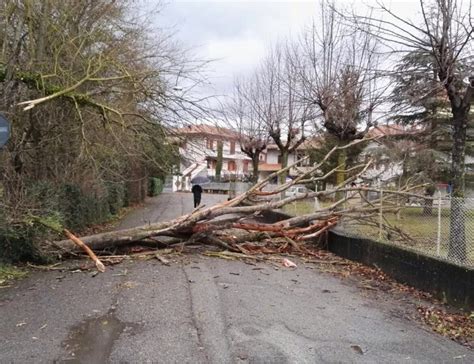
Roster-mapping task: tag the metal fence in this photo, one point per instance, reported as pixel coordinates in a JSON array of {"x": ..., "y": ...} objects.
[{"x": 437, "y": 226}]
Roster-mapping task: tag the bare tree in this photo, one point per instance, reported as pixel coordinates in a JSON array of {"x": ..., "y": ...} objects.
[
  {"x": 339, "y": 78},
  {"x": 445, "y": 34},
  {"x": 243, "y": 114},
  {"x": 286, "y": 115}
]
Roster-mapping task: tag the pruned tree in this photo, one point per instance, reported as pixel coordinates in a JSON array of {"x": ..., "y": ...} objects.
[
  {"x": 339, "y": 78},
  {"x": 287, "y": 117},
  {"x": 244, "y": 115},
  {"x": 445, "y": 35}
]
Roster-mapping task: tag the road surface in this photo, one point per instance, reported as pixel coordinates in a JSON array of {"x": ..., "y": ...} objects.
[{"x": 207, "y": 310}]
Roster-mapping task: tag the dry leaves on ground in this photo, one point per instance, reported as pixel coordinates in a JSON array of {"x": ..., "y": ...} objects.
[{"x": 457, "y": 326}]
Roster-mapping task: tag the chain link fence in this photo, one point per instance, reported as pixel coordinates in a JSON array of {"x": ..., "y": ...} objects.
[{"x": 437, "y": 226}]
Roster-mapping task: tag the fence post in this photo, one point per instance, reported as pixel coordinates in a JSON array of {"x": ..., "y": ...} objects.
[
  {"x": 317, "y": 206},
  {"x": 381, "y": 214},
  {"x": 438, "y": 238}
]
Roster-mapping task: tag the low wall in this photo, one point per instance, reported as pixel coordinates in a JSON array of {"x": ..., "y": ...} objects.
[
  {"x": 226, "y": 187},
  {"x": 446, "y": 281}
]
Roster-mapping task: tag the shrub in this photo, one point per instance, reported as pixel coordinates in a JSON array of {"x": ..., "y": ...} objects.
[
  {"x": 65, "y": 205},
  {"x": 155, "y": 186}
]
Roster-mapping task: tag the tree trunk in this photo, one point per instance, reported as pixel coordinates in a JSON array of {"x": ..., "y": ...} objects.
[
  {"x": 220, "y": 147},
  {"x": 457, "y": 236},
  {"x": 255, "y": 162},
  {"x": 340, "y": 174},
  {"x": 282, "y": 177},
  {"x": 116, "y": 238},
  {"x": 427, "y": 207},
  {"x": 284, "y": 164}
]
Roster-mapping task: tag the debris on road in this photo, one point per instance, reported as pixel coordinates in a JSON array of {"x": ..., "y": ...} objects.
[
  {"x": 99, "y": 265},
  {"x": 288, "y": 263},
  {"x": 241, "y": 224},
  {"x": 457, "y": 326},
  {"x": 162, "y": 259},
  {"x": 357, "y": 349}
]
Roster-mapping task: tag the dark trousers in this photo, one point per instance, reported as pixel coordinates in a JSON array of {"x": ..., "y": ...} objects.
[{"x": 197, "y": 200}]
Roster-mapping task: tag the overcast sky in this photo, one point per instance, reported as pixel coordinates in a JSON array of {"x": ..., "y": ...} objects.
[{"x": 236, "y": 34}]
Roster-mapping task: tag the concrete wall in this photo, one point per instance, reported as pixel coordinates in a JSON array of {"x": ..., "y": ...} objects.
[
  {"x": 272, "y": 156},
  {"x": 446, "y": 281}
]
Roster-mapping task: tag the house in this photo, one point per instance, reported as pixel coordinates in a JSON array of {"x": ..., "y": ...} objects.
[
  {"x": 385, "y": 170},
  {"x": 198, "y": 155},
  {"x": 270, "y": 158},
  {"x": 198, "y": 146}
]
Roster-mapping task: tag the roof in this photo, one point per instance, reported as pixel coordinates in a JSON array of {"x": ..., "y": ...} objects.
[
  {"x": 269, "y": 167},
  {"x": 272, "y": 146},
  {"x": 206, "y": 130}
]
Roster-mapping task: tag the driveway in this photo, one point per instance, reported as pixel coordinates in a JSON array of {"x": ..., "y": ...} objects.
[{"x": 207, "y": 310}]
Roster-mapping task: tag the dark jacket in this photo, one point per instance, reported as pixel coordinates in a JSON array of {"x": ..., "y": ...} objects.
[{"x": 196, "y": 190}]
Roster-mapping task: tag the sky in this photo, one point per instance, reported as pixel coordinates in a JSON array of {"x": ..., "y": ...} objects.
[{"x": 236, "y": 34}]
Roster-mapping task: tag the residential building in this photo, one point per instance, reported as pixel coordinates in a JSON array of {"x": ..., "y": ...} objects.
[
  {"x": 198, "y": 146},
  {"x": 198, "y": 155},
  {"x": 270, "y": 159}
]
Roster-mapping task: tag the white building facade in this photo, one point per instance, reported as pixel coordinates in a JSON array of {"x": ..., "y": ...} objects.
[
  {"x": 198, "y": 156},
  {"x": 198, "y": 145}
]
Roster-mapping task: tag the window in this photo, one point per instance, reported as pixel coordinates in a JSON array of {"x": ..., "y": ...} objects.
[
  {"x": 209, "y": 143},
  {"x": 231, "y": 166},
  {"x": 279, "y": 159},
  {"x": 246, "y": 166},
  {"x": 232, "y": 147}
]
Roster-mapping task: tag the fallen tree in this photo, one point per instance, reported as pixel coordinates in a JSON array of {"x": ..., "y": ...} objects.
[{"x": 236, "y": 224}]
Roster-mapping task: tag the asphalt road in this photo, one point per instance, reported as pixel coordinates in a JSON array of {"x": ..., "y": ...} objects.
[{"x": 207, "y": 310}]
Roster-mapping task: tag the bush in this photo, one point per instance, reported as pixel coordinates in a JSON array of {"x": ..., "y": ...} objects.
[
  {"x": 116, "y": 197},
  {"x": 65, "y": 205},
  {"x": 17, "y": 242},
  {"x": 155, "y": 186}
]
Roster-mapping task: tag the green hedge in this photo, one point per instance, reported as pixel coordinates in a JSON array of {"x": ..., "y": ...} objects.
[
  {"x": 155, "y": 186},
  {"x": 63, "y": 205},
  {"x": 17, "y": 242}
]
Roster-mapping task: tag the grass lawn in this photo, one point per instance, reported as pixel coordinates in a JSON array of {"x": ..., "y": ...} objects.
[
  {"x": 423, "y": 229},
  {"x": 304, "y": 207}
]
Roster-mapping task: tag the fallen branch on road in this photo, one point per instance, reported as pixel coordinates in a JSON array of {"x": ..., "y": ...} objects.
[
  {"x": 236, "y": 225},
  {"x": 99, "y": 265}
]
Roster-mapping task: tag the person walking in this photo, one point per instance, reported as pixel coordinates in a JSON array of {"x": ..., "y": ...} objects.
[{"x": 197, "y": 191}]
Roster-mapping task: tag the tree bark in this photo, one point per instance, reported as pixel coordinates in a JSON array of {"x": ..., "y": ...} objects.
[
  {"x": 115, "y": 238},
  {"x": 219, "y": 160},
  {"x": 284, "y": 164},
  {"x": 282, "y": 176},
  {"x": 341, "y": 174},
  {"x": 255, "y": 162}
]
